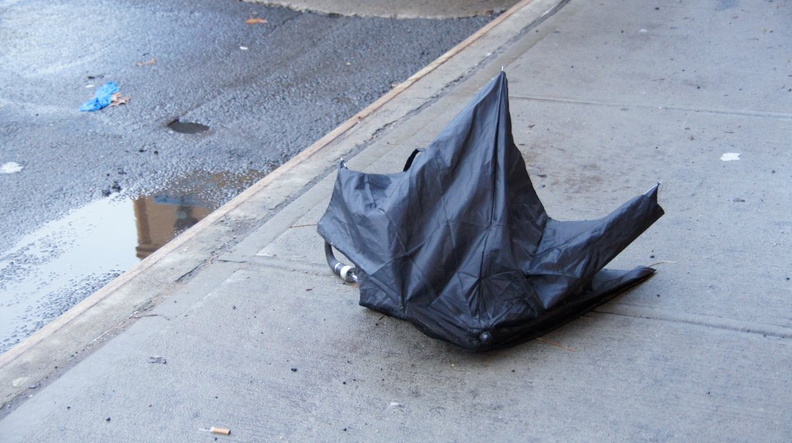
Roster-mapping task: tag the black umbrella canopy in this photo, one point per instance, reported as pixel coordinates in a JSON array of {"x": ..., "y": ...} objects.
[{"x": 460, "y": 245}]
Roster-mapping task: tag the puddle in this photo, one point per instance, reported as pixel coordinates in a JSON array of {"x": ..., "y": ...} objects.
[
  {"x": 187, "y": 127},
  {"x": 63, "y": 262},
  {"x": 89, "y": 244}
]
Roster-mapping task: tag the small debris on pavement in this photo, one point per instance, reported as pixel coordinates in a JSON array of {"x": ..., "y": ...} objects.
[
  {"x": 102, "y": 98},
  {"x": 153, "y": 61},
  {"x": 730, "y": 156},
  {"x": 115, "y": 187},
  {"x": 221, "y": 431},
  {"x": 119, "y": 99},
  {"x": 255, "y": 21},
  {"x": 158, "y": 360},
  {"x": 10, "y": 168},
  {"x": 244, "y": 48}
]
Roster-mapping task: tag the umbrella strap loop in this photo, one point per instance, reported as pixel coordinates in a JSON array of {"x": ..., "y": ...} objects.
[
  {"x": 345, "y": 272},
  {"x": 411, "y": 158}
]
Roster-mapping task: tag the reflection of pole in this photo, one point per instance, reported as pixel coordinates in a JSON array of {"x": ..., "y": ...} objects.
[
  {"x": 144, "y": 247},
  {"x": 160, "y": 218},
  {"x": 184, "y": 219}
]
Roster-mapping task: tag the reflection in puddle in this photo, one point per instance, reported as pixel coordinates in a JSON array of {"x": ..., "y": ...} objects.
[
  {"x": 160, "y": 218},
  {"x": 52, "y": 269}
]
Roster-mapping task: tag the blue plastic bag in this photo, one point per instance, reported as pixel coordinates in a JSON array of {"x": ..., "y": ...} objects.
[{"x": 102, "y": 99}]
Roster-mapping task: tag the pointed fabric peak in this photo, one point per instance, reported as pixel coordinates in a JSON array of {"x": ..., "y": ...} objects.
[
  {"x": 652, "y": 193},
  {"x": 460, "y": 245}
]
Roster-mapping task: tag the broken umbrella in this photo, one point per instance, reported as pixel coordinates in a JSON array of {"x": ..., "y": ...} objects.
[{"x": 460, "y": 245}]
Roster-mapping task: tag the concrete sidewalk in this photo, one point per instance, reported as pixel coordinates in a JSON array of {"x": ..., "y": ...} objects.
[{"x": 239, "y": 323}]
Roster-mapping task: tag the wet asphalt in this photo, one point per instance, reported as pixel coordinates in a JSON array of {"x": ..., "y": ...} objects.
[{"x": 265, "y": 91}]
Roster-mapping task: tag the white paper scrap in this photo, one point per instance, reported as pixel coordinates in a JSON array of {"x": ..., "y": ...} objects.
[{"x": 10, "y": 168}]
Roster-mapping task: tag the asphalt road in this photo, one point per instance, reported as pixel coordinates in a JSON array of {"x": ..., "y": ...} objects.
[
  {"x": 85, "y": 195},
  {"x": 398, "y": 8}
]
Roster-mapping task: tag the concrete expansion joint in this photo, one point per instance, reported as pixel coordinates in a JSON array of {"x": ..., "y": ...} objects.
[
  {"x": 725, "y": 324},
  {"x": 626, "y": 106}
]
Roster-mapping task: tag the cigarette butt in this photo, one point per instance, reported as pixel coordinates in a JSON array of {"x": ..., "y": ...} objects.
[{"x": 221, "y": 431}]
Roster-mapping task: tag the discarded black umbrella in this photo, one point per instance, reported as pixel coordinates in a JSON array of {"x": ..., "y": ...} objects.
[{"x": 460, "y": 245}]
